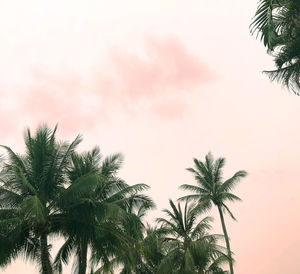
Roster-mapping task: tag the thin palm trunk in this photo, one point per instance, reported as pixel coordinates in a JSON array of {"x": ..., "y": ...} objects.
[
  {"x": 226, "y": 239},
  {"x": 45, "y": 260},
  {"x": 82, "y": 257}
]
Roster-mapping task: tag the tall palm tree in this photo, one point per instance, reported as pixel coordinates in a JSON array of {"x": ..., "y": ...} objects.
[
  {"x": 191, "y": 249},
  {"x": 92, "y": 207},
  {"x": 211, "y": 189},
  {"x": 278, "y": 24},
  {"x": 30, "y": 186}
]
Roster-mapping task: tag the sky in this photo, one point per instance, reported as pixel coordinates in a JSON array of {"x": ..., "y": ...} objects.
[{"x": 161, "y": 81}]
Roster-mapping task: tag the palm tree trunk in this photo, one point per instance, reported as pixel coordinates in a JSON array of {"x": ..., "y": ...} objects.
[
  {"x": 226, "y": 239},
  {"x": 45, "y": 260},
  {"x": 82, "y": 256}
]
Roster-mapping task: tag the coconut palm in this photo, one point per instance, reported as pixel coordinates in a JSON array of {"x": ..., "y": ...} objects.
[
  {"x": 191, "y": 249},
  {"x": 211, "y": 189},
  {"x": 278, "y": 24},
  {"x": 92, "y": 208},
  {"x": 30, "y": 186}
]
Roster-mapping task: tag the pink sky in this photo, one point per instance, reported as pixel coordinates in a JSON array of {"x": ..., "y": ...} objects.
[{"x": 162, "y": 81}]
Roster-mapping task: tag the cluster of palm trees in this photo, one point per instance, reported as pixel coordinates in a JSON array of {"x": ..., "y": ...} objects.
[{"x": 53, "y": 191}]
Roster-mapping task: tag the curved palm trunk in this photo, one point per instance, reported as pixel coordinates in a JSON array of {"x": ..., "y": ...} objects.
[
  {"x": 45, "y": 260},
  {"x": 82, "y": 257},
  {"x": 226, "y": 239}
]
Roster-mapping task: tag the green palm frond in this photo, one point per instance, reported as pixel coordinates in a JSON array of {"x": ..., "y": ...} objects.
[
  {"x": 201, "y": 228},
  {"x": 278, "y": 24},
  {"x": 217, "y": 169},
  {"x": 9, "y": 198},
  {"x": 33, "y": 209},
  {"x": 82, "y": 187},
  {"x": 193, "y": 188},
  {"x": 112, "y": 164},
  {"x": 227, "y": 209},
  {"x": 15, "y": 159},
  {"x": 266, "y": 22},
  {"x": 63, "y": 255},
  {"x": 230, "y": 183},
  {"x": 289, "y": 75},
  {"x": 226, "y": 196}
]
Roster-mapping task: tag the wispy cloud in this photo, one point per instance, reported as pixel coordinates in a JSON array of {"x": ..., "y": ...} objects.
[{"x": 155, "y": 81}]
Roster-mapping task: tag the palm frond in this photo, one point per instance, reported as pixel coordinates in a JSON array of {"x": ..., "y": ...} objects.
[
  {"x": 230, "y": 183},
  {"x": 230, "y": 213},
  {"x": 288, "y": 75},
  {"x": 265, "y": 22},
  {"x": 63, "y": 254},
  {"x": 278, "y": 24}
]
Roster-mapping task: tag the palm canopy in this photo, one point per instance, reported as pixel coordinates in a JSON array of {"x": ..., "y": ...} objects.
[
  {"x": 190, "y": 248},
  {"x": 210, "y": 186},
  {"x": 30, "y": 186},
  {"x": 93, "y": 207},
  {"x": 278, "y": 24}
]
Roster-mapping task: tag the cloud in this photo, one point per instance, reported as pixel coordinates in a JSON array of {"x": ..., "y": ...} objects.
[
  {"x": 158, "y": 78},
  {"x": 8, "y": 115},
  {"x": 166, "y": 68},
  {"x": 156, "y": 81},
  {"x": 59, "y": 99}
]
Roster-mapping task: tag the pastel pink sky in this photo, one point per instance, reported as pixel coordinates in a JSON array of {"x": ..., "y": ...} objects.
[{"x": 162, "y": 81}]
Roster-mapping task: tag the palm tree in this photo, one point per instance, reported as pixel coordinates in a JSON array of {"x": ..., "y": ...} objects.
[
  {"x": 191, "y": 249},
  {"x": 278, "y": 24},
  {"x": 93, "y": 206},
  {"x": 30, "y": 186},
  {"x": 210, "y": 189}
]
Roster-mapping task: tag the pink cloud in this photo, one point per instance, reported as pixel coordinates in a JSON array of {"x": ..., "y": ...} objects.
[
  {"x": 9, "y": 122},
  {"x": 158, "y": 79},
  {"x": 167, "y": 67},
  {"x": 156, "y": 82},
  {"x": 58, "y": 99}
]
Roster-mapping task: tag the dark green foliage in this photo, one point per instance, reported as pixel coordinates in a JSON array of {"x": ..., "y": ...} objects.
[
  {"x": 278, "y": 24},
  {"x": 130, "y": 257},
  {"x": 190, "y": 248},
  {"x": 31, "y": 184},
  {"x": 94, "y": 207},
  {"x": 52, "y": 190}
]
